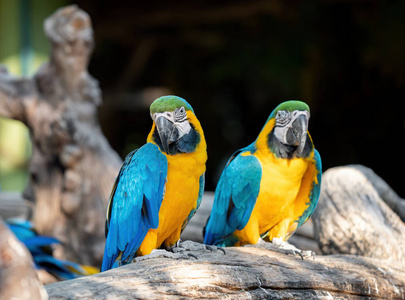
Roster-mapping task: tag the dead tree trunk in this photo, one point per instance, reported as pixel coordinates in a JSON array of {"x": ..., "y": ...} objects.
[
  {"x": 352, "y": 217},
  {"x": 72, "y": 166},
  {"x": 243, "y": 273}
]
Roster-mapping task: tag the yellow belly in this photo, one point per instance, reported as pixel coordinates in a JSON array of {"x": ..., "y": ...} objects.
[
  {"x": 283, "y": 195},
  {"x": 182, "y": 188}
]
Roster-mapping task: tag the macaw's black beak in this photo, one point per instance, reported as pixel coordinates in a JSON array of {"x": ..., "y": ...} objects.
[
  {"x": 300, "y": 126},
  {"x": 297, "y": 135},
  {"x": 168, "y": 133}
]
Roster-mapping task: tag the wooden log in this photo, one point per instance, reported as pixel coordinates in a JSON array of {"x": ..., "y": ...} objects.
[
  {"x": 386, "y": 193},
  {"x": 72, "y": 167},
  {"x": 257, "y": 272},
  {"x": 352, "y": 218},
  {"x": 18, "y": 279}
]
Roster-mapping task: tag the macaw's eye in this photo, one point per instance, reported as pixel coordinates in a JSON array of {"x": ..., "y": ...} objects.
[
  {"x": 281, "y": 114},
  {"x": 282, "y": 117},
  {"x": 180, "y": 114}
]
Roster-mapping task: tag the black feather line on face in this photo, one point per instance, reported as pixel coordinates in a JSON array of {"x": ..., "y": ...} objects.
[
  {"x": 187, "y": 144},
  {"x": 281, "y": 150}
]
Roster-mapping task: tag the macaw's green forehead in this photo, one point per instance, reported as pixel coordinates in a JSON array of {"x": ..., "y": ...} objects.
[
  {"x": 169, "y": 103},
  {"x": 290, "y": 106}
]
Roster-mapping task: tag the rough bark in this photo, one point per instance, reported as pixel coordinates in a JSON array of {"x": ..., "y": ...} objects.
[
  {"x": 18, "y": 279},
  {"x": 72, "y": 166},
  {"x": 386, "y": 193},
  {"x": 243, "y": 273},
  {"x": 352, "y": 217}
]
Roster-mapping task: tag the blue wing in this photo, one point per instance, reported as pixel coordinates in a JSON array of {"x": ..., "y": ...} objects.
[
  {"x": 41, "y": 250},
  {"x": 316, "y": 189},
  {"x": 22, "y": 229},
  {"x": 134, "y": 203},
  {"x": 62, "y": 269},
  {"x": 26, "y": 233},
  {"x": 235, "y": 198}
]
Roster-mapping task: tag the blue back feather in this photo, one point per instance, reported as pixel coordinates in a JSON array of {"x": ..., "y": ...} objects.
[
  {"x": 134, "y": 203},
  {"x": 239, "y": 183}
]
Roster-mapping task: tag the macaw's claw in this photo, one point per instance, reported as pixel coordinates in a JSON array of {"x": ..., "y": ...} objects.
[
  {"x": 301, "y": 253},
  {"x": 192, "y": 255},
  {"x": 291, "y": 249},
  {"x": 159, "y": 253},
  {"x": 179, "y": 251},
  {"x": 193, "y": 246},
  {"x": 215, "y": 248}
]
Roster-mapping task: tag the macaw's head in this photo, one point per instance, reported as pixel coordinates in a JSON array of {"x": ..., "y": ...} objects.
[
  {"x": 289, "y": 137},
  {"x": 176, "y": 129}
]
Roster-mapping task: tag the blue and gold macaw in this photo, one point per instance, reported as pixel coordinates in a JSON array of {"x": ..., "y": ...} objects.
[
  {"x": 271, "y": 187},
  {"x": 159, "y": 186},
  {"x": 41, "y": 250}
]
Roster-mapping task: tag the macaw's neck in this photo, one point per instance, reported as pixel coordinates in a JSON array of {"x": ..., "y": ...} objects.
[{"x": 267, "y": 140}]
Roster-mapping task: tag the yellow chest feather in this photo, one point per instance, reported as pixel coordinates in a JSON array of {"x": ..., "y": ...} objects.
[{"x": 279, "y": 187}]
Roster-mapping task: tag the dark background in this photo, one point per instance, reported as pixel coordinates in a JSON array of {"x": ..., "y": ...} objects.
[{"x": 235, "y": 61}]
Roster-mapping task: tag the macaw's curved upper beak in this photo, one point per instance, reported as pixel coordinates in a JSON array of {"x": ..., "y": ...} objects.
[
  {"x": 297, "y": 134},
  {"x": 300, "y": 128},
  {"x": 168, "y": 133}
]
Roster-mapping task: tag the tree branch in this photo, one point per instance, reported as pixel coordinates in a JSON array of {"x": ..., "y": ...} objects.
[
  {"x": 15, "y": 95},
  {"x": 243, "y": 273}
]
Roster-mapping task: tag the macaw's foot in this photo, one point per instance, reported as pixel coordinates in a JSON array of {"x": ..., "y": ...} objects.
[
  {"x": 193, "y": 246},
  {"x": 291, "y": 249},
  {"x": 159, "y": 253}
]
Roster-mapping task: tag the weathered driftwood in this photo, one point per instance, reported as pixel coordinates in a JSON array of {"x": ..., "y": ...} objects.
[
  {"x": 352, "y": 218},
  {"x": 386, "y": 193},
  {"x": 18, "y": 279},
  {"x": 72, "y": 166},
  {"x": 243, "y": 273}
]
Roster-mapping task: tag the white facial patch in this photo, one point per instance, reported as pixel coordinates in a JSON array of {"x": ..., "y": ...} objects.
[
  {"x": 183, "y": 127},
  {"x": 178, "y": 118},
  {"x": 284, "y": 120}
]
